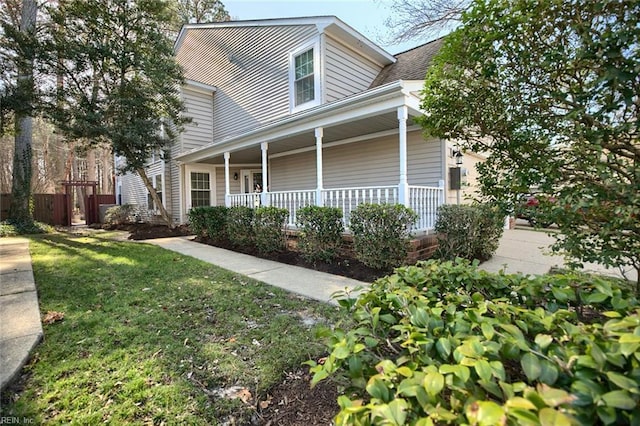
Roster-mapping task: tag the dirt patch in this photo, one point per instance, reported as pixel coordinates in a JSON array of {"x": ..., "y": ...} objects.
[{"x": 294, "y": 403}]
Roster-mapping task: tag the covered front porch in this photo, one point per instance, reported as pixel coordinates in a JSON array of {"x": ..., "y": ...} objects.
[{"x": 362, "y": 149}]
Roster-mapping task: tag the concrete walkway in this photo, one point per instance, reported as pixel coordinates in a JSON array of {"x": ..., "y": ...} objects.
[
  {"x": 20, "y": 326},
  {"x": 527, "y": 251},
  {"x": 306, "y": 282}
]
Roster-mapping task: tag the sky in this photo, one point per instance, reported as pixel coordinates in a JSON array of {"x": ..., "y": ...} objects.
[{"x": 366, "y": 16}]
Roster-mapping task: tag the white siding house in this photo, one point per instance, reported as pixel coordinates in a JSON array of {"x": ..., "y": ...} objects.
[{"x": 303, "y": 111}]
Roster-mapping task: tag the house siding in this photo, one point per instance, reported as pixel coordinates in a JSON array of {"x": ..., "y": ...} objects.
[
  {"x": 346, "y": 71},
  {"x": 293, "y": 172},
  {"x": 252, "y": 84},
  {"x": 369, "y": 163},
  {"x": 199, "y": 132}
]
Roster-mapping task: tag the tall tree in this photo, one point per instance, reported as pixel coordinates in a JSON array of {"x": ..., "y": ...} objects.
[
  {"x": 415, "y": 19},
  {"x": 121, "y": 79},
  {"x": 198, "y": 11},
  {"x": 551, "y": 89},
  {"x": 19, "y": 45}
]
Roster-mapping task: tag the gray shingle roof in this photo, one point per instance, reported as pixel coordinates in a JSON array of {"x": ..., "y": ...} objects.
[{"x": 410, "y": 65}]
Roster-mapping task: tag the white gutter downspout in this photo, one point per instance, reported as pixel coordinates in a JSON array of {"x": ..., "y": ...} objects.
[
  {"x": 227, "y": 185},
  {"x": 403, "y": 185},
  {"x": 319, "y": 178}
]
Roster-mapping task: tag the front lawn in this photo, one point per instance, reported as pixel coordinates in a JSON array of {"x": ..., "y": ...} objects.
[{"x": 153, "y": 337}]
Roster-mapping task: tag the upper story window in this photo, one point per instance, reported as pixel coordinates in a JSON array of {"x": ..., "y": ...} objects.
[{"x": 304, "y": 76}]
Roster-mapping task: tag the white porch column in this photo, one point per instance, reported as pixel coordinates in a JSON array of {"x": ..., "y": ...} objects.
[
  {"x": 227, "y": 190},
  {"x": 264, "y": 197},
  {"x": 403, "y": 185},
  {"x": 319, "y": 179}
]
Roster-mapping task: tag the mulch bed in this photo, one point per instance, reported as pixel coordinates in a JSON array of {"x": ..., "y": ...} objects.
[{"x": 344, "y": 266}]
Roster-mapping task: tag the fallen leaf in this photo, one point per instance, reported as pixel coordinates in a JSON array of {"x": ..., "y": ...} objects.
[
  {"x": 53, "y": 316},
  {"x": 267, "y": 402}
]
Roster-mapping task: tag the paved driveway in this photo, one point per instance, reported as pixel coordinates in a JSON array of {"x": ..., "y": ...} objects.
[{"x": 527, "y": 251}]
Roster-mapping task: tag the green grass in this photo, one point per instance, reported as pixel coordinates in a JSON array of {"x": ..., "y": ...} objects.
[{"x": 148, "y": 335}]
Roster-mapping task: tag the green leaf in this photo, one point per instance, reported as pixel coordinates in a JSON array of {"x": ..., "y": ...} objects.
[
  {"x": 433, "y": 383},
  {"x": 341, "y": 351},
  {"x": 378, "y": 389},
  {"x": 549, "y": 373},
  {"x": 553, "y": 396},
  {"x": 623, "y": 382},
  {"x": 485, "y": 413},
  {"x": 487, "y": 330},
  {"x": 619, "y": 399},
  {"x": 398, "y": 410},
  {"x": 551, "y": 417},
  {"x": 404, "y": 371},
  {"x": 519, "y": 402},
  {"x": 543, "y": 340},
  {"x": 595, "y": 298},
  {"x": 443, "y": 346},
  {"x": 531, "y": 366},
  {"x": 483, "y": 369}
]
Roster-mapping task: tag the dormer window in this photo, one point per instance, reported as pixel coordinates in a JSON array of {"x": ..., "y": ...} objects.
[
  {"x": 303, "y": 84},
  {"x": 304, "y": 77}
]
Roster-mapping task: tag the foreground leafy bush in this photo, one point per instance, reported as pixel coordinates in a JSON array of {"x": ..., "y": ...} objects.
[
  {"x": 269, "y": 228},
  {"x": 320, "y": 232},
  {"x": 445, "y": 343},
  {"x": 468, "y": 231},
  {"x": 208, "y": 221},
  {"x": 381, "y": 234},
  {"x": 240, "y": 225},
  {"x": 10, "y": 228}
]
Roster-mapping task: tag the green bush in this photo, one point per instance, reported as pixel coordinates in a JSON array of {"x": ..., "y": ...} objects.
[
  {"x": 268, "y": 228},
  {"x": 10, "y": 228},
  {"x": 119, "y": 215},
  {"x": 208, "y": 221},
  {"x": 240, "y": 226},
  {"x": 446, "y": 343},
  {"x": 381, "y": 234},
  {"x": 320, "y": 235},
  {"x": 468, "y": 231}
]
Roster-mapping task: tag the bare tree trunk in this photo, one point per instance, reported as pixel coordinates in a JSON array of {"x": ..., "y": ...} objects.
[
  {"x": 22, "y": 169},
  {"x": 154, "y": 195},
  {"x": 107, "y": 170}
]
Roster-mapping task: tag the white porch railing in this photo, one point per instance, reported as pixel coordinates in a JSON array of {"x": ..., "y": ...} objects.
[
  {"x": 347, "y": 199},
  {"x": 248, "y": 200},
  {"x": 292, "y": 201},
  {"x": 424, "y": 200}
]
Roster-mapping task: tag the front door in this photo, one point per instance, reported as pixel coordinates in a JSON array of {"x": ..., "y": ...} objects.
[{"x": 251, "y": 181}]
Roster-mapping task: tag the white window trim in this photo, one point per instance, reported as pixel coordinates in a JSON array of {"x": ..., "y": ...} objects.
[
  {"x": 315, "y": 45},
  {"x": 154, "y": 182},
  {"x": 200, "y": 168}
]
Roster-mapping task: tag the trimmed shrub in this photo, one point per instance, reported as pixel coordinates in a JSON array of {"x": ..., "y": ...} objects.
[
  {"x": 268, "y": 228},
  {"x": 439, "y": 343},
  {"x": 240, "y": 225},
  {"x": 208, "y": 221},
  {"x": 120, "y": 215},
  {"x": 320, "y": 232},
  {"x": 381, "y": 234},
  {"x": 468, "y": 231}
]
